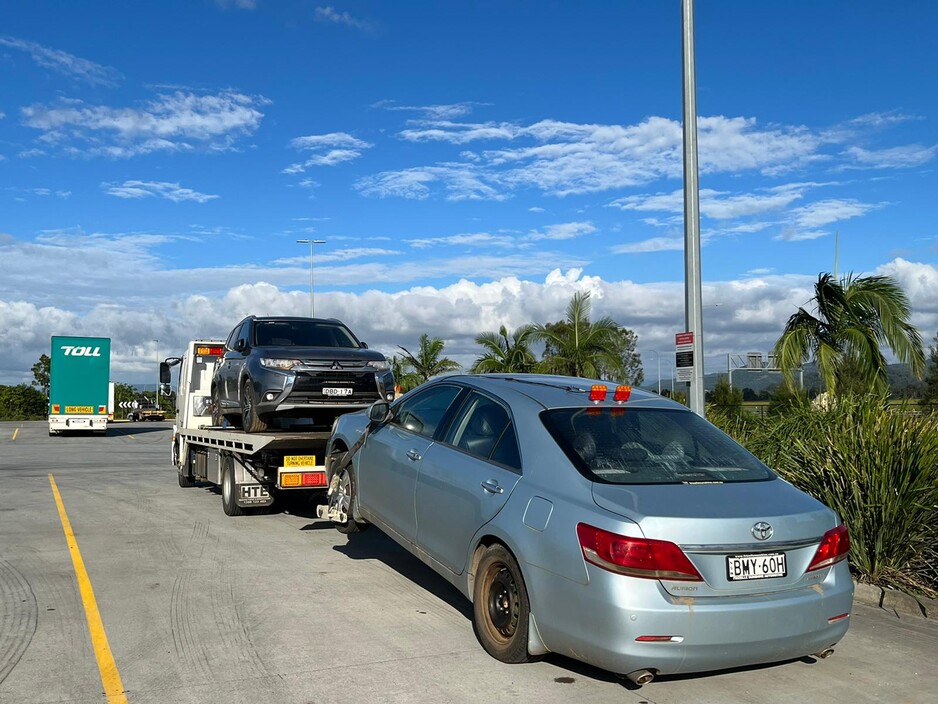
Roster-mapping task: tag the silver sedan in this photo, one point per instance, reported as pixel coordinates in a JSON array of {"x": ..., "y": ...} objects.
[{"x": 606, "y": 524}]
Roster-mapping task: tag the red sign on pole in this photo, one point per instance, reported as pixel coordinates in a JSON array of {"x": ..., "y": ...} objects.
[{"x": 684, "y": 338}]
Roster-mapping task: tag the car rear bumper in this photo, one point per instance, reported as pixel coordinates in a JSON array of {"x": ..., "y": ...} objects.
[{"x": 709, "y": 633}]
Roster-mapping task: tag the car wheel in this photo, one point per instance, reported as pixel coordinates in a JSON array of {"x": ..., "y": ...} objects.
[
  {"x": 218, "y": 419},
  {"x": 250, "y": 420},
  {"x": 229, "y": 501},
  {"x": 341, "y": 500},
  {"x": 500, "y": 606}
]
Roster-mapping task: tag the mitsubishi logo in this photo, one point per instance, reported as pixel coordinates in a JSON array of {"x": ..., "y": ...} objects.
[
  {"x": 336, "y": 365},
  {"x": 762, "y": 531}
]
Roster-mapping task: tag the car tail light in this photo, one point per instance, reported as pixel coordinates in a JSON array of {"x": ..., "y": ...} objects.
[
  {"x": 635, "y": 557},
  {"x": 834, "y": 547},
  {"x": 622, "y": 394},
  {"x": 598, "y": 393}
]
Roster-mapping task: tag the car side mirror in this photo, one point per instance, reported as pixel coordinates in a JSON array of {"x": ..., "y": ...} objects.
[
  {"x": 379, "y": 412},
  {"x": 164, "y": 374},
  {"x": 363, "y": 345},
  {"x": 240, "y": 345}
]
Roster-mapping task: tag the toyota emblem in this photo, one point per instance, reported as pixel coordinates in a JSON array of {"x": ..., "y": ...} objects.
[{"x": 762, "y": 531}]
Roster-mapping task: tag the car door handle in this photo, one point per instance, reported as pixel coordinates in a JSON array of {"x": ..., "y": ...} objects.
[
  {"x": 492, "y": 486},
  {"x": 413, "y": 455}
]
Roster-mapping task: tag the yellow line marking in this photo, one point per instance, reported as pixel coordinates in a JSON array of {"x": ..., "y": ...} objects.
[
  {"x": 15, "y": 433},
  {"x": 110, "y": 678}
]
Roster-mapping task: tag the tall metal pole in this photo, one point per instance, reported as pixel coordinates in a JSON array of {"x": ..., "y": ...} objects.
[
  {"x": 658, "y": 357},
  {"x": 692, "y": 286},
  {"x": 312, "y": 309}
]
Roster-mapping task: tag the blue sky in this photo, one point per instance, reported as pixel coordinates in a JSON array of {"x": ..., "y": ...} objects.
[{"x": 468, "y": 164}]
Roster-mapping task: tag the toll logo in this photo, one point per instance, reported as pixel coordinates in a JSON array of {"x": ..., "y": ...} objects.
[{"x": 75, "y": 351}]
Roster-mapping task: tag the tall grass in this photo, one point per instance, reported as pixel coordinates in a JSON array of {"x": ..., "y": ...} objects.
[{"x": 877, "y": 468}]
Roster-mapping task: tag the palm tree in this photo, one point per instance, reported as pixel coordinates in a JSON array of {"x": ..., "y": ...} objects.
[
  {"x": 854, "y": 318},
  {"x": 427, "y": 362},
  {"x": 504, "y": 353},
  {"x": 578, "y": 347}
]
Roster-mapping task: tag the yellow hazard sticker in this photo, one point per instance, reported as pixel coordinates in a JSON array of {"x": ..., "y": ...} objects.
[
  {"x": 299, "y": 461},
  {"x": 79, "y": 409}
]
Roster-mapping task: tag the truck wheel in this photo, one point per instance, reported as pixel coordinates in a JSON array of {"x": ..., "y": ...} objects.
[
  {"x": 250, "y": 420},
  {"x": 185, "y": 480},
  {"x": 342, "y": 497},
  {"x": 229, "y": 502}
]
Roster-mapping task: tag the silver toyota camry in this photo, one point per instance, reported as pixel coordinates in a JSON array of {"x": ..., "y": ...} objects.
[{"x": 599, "y": 522}]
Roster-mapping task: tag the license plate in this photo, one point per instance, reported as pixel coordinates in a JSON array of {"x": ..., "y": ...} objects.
[
  {"x": 299, "y": 461},
  {"x": 763, "y": 565},
  {"x": 336, "y": 391},
  {"x": 253, "y": 492}
]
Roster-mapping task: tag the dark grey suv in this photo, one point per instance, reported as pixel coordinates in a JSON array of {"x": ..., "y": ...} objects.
[{"x": 302, "y": 367}]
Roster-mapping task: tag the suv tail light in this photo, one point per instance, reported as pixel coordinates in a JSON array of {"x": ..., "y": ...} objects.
[
  {"x": 635, "y": 557},
  {"x": 834, "y": 547}
]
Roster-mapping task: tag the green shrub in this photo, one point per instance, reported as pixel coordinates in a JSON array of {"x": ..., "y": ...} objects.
[{"x": 878, "y": 469}]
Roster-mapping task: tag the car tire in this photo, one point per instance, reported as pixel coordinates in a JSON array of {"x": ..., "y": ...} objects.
[
  {"x": 344, "y": 492},
  {"x": 250, "y": 420},
  {"x": 229, "y": 499},
  {"x": 500, "y": 606},
  {"x": 218, "y": 419}
]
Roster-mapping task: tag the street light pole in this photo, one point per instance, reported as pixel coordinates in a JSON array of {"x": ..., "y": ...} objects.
[
  {"x": 658, "y": 357},
  {"x": 312, "y": 310},
  {"x": 692, "y": 287}
]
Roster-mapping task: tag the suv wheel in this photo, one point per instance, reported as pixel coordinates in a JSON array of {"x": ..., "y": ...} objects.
[{"x": 250, "y": 420}]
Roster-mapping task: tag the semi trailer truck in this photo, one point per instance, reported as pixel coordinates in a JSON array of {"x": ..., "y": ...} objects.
[{"x": 80, "y": 393}]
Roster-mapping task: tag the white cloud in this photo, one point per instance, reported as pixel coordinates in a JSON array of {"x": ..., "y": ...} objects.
[
  {"x": 903, "y": 157},
  {"x": 750, "y": 316},
  {"x": 564, "y": 231},
  {"x": 65, "y": 63},
  {"x": 330, "y": 14},
  {"x": 564, "y": 158},
  {"x": 717, "y": 205},
  {"x": 460, "y": 181},
  {"x": 477, "y": 239},
  {"x": 654, "y": 244},
  {"x": 161, "y": 189},
  {"x": 432, "y": 112},
  {"x": 340, "y": 147},
  {"x": 171, "y": 122},
  {"x": 825, "y": 212},
  {"x": 238, "y": 4}
]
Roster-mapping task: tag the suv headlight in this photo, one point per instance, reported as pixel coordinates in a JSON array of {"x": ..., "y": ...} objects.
[
  {"x": 381, "y": 366},
  {"x": 271, "y": 363}
]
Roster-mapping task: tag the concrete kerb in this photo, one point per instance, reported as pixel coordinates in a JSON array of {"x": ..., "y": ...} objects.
[{"x": 899, "y": 603}]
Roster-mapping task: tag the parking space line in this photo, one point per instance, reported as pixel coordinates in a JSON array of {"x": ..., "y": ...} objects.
[{"x": 110, "y": 677}]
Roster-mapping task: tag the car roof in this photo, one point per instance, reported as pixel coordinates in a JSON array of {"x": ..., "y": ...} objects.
[
  {"x": 291, "y": 318},
  {"x": 553, "y": 391}
]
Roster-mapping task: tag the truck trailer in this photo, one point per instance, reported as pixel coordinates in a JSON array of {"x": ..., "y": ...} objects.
[
  {"x": 250, "y": 468},
  {"x": 79, "y": 385}
]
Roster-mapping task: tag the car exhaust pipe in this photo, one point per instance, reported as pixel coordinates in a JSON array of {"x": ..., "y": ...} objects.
[
  {"x": 641, "y": 677},
  {"x": 823, "y": 654}
]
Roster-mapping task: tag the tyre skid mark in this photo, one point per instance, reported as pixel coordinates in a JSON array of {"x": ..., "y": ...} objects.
[{"x": 19, "y": 617}]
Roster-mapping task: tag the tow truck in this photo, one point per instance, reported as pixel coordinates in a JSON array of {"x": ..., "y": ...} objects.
[{"x": 251, "y": 469}]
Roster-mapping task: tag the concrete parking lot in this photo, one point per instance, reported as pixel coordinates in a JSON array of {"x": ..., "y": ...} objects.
[{"x": 199, "y": 607}]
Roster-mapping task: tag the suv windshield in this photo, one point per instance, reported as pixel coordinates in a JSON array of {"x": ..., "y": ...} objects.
[
  {"x": 302, "y": 333},
  {"x": 650, "y": 446}
]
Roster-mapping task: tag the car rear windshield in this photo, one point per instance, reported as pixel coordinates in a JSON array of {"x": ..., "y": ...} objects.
[
  {"x": 302, "y": 333},
  {"x": 650, "y": 446}
]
